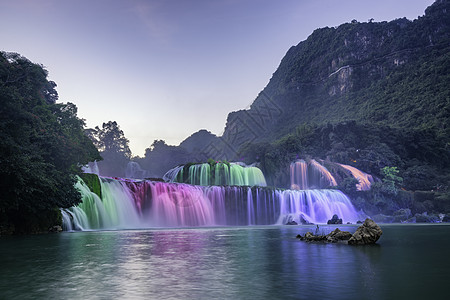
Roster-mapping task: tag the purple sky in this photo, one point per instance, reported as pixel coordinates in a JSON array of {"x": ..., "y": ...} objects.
[{"x": 163, "y": 69}]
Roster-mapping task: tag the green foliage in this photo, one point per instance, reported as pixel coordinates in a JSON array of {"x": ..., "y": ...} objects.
[
  {"x": 391, "y": 180},
  {"x": 211, "y": 162},
  {"x": 348, "y": 186},
  {"x": 160, "y": 157},
  {"x": 42, "y": 145},
  {"x": 93, "y": 182},
  {"x": 110, "y": 140}
]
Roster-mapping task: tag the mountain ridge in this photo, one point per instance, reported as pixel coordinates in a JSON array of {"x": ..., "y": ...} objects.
[{"x": 342, "y": 75}]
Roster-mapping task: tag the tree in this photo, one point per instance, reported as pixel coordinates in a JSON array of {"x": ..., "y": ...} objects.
[
  {"x": 160, "y": 157},
  {"x": 391, "y": 181},
  {"x": 113, "y": 146},
  {"x": 42, "y": 147}
]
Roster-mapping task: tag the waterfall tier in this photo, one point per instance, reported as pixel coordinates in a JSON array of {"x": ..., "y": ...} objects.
[
  {"x": 142, "y": 204},
  {"x": 306, "y": 175},
  {"x": 233, "y": 174}
]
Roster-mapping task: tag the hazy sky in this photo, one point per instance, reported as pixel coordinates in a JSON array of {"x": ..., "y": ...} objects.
[{"x": 163, "y": 69}]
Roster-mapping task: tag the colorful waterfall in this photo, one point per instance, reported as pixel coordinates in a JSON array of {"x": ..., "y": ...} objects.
[
  {"x": 310, "y": 175},
  {"x": 365, "y": 180},
  {"x": 129, "y": 204},
  {"x": 313, "y": 175},
  {"x": 233, "y": 174}
]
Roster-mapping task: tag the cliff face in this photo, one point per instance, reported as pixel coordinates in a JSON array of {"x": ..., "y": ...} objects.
[{"x": 393, "y": 73}]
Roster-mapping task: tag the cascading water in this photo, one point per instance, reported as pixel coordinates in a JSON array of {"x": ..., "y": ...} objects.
[
  {"x": 310, "y": 175},
  {"x": 220, "y": 174},
  {"x": 134, "y": 170},
  {"x": 141, "y": 204},
  {"x": 365, "y": 180},
  {"x": 313, "y": 175}
]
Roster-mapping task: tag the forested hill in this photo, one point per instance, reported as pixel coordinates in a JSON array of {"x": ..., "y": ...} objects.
[{"x": 389, "y": 73}]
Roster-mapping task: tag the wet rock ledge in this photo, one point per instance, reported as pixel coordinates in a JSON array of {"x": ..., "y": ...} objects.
[{"x": 368, "y": 233}]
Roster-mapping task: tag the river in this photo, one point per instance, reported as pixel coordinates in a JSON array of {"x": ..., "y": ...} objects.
[{"x": 253, "y": 262}]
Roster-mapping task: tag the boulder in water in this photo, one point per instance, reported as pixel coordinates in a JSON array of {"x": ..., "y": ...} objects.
[
  {"x": 292, "y": 222},
  {"x": 368, "y": 233},
  {"x": 335, "y": 220},
  {"x": 338, "y": 235},
  {"x": 333, "y": 237},
  {"x": 310, "y": 237}
]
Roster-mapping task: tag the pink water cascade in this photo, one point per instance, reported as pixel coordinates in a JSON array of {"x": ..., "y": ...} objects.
[
  {"x": 365, "y": 180},
  {"x": 310, "y": 175},
  {"x": 299, "y": 177},
  {"x": 128, "y": 204}
]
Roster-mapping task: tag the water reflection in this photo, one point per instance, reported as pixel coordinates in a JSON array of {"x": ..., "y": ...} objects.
[{"x": 227, "y": 263}]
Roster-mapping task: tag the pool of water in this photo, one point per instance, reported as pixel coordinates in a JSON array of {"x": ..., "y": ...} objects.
[{"x": 260, "y": 262}]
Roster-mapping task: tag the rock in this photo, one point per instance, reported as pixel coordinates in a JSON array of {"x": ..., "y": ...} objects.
[
  {"x": 292, "y": 223},
  {"x": 402, "y": 215},
  {"x": 380, "y": 218},
  {"x": 338, "y": 235},
  {"x": 56, "y": 228},
  {"x": 359, "y": 222},
  {"x": 426, "y": 218},
  {"x": 303, "y": 221},
  {"x": 335, "y": 220},
  {"x": 310, "y": 237},
  {"x": 368, "y": 233},
  {"x": 446, "y": 218},
  {"x": 333, "y": 237}
]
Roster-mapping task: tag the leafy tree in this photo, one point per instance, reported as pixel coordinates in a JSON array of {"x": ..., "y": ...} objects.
[
  {"x": 160, "y": 157},
  {"x": 113, "y": 146},
  {"x": 42, "y": 147},
  {"x": 348, "y": 186},
  {"x": 391, "y": 181}
]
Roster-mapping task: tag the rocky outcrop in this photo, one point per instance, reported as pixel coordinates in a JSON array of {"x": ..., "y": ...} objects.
[
  {"x": 368, "y": 233},
  {"x": 335, "y": 220},
  {"x": 333, "y": 237},
  {"x": 338, "y": 235}
]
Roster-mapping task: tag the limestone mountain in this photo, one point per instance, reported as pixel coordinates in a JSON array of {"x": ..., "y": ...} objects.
[{"x": 393, "y": 73}]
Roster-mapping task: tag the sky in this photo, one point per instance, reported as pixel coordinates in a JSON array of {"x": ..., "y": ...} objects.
[{"x": 164, "y": 69}]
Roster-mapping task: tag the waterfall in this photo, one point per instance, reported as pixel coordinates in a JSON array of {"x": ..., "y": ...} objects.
[
  {"x": 220, "y": 174},
  {"x": 310, "y": 175},
  {"x": 365, "y": 180},
  {"x": 127, "y": 204},
  {"x": 313, "y": 175},
  {"x": 134, "y": 170}
]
